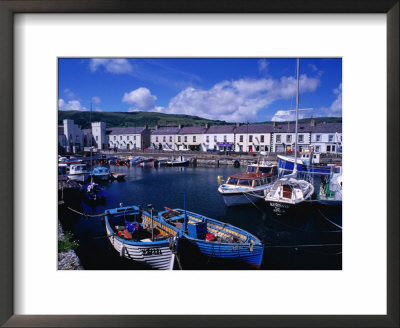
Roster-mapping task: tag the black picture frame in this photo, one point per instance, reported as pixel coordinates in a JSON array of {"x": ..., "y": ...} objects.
[{"x": 10, "y": 7}]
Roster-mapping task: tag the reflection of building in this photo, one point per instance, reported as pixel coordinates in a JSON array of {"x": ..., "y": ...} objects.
[
  {"x": 164, "y": 137},
  {"x": 219, "y": 137},
  {"x": 128, "y": 138}
]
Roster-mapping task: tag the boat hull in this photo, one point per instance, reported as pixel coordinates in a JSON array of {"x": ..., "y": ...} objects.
[
  {"x": 101, "y": 177},
  {"x": 237, "y": 199},
  {"x": 155, "y": 254},
  {"x": 286, "y": 164},
  {"x": 185, "y": 163},
  {"x": 81, "y": 177},
  {"x": 251, "y": 254}
]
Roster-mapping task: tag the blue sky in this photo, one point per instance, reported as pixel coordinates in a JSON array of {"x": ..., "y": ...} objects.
[{"x": 229, "y": 89}]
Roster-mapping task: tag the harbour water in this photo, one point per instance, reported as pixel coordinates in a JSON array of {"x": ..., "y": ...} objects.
[{"x": 307, "y": 241}]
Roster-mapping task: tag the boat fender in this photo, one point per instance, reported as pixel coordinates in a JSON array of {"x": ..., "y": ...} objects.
[
  {"x": 251, "y": 247},
  {"x": 236, "y": 163}
]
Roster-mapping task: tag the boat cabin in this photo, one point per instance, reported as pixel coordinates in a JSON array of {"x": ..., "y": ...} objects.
[
  {"x": 262, "y": 170},
  {"x": 249, "y": 180},
  {"x": 78, "y": 168},
  {"x": 306, "y": 156}
]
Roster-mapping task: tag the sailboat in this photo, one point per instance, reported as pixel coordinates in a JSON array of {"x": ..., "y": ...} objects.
[
  {"x": 92, "y": 191},
  {"x": 288, "y": 192}
]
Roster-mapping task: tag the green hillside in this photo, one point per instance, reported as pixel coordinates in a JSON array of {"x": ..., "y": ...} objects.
[
  {"x": 125, "y": 119},
  {"x": 130, "y": 119}
]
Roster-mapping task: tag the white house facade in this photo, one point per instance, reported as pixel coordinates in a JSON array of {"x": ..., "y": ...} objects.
[
  {"x": 164, "y": 138},
  {"x": 253, "y": 138},
  {"x": 326, "y": 137},
  {"x": 128, "y": 138},
  {"x": 190, "y": 137},
  {"x": 73, "y": 135},
  {"x": 218, "y": 137}
]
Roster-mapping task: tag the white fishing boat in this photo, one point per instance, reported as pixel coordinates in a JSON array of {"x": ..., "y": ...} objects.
[
  {"x": 138, "y": 236},
  {"x": 288, "y": 192},
  {"x": 78, "y": 172},
  {"x": 248, "y": 187}
]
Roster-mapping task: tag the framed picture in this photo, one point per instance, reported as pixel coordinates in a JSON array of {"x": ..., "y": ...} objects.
[{"x": 27, "y": 225}]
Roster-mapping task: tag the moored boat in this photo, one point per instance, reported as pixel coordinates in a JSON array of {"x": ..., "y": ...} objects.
[
  {"x": 330, "y": 192},
  {"x": 93, "y": 192},
  {"x": 78, "y": 172},
  {"x": 150, "y": 162},
  {"x": 248, "y": 187},
  {"x": 117, "y": 176},
  {"x": 179, "y": 161},
  {"x": 101, "y": 173},
  {"x": 214, "y": 238},
  {"x": 139, "y": 236},
  {"x": 304, "y": 164}
]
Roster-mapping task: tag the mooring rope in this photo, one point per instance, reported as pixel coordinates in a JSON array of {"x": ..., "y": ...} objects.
[
  {"x": 328, "y": 219},
  {"x": 300, "y": 246},
  {"x": 86, "y": 214}
]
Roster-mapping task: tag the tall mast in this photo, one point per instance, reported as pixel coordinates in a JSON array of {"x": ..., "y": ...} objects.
[
  {"x": 297, "y": 116},
  {"x": 91, "y": 142}
]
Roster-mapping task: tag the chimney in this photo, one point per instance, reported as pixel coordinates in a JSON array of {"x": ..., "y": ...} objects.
[
  {"x": 146, "y": 126},
  {"x": 312, "y": 122},
  {"x": 207, "y": 125},
  {"x": 237, "y": 124},
  {"x": 157, "y": 126},
  {"x": 274, "y": 123},
  {"x": 180, "y": 126}
]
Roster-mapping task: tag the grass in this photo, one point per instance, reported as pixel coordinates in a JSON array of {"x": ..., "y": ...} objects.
[{"x": 67, "y": 243}]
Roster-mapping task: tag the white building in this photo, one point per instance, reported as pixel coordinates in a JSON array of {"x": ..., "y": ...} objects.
[
  {"x": 284, "y": 136},
  {"x": 128, "y": 138},
  {"x": 218, "y": 137},
  {"x": 326, "y": 137},
  {"x": 164, "y": 137},
  {"x": 253, "y": 137},
  {"x": 99, "y": 135},
  {"x": 190, "y": 137},
  {"x": 73, "y": 135}
]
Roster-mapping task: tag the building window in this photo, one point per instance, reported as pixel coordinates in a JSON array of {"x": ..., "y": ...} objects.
[
  {"x": 318, "y": 137},
  {"x": 215, "y": 138},
  {"x": 185, "y": 138},
  {"x": 207, "y": 138},
  {"x": 156, "y": 139},
  {"x": 333, "y": 148},
  {"x": 120, "y": 138},
  {"x": 241, "y": 146},
  {"x": 134, "y": 137},
  {"x": 127, "y": 137},
  {"x": 115, "y": 138},
  {"x": 250, "y": 149},
  {"x": 266, "y": 148},
  {"x": 262, "y": 138},
  {"x": 240, "y": 139},
  {"x": 317, "y": 149},
  {"x": 97, "y": 138},
  {"x": 288, "y": 138},
  {"x": 225, "y": 138},
  {"x": 278, "y": 138},
  {"x": 250, "y": 138},
  {"x": 179, "y": 138},
  {"x": 301, "y": 138},
  {"x": 328, "y": 148},
  {"x": 330, "y": 137},
  {"x": 194, "y": 138},
  {"x": 170, "y": 138},
  {"x": 164, "y": 138}
]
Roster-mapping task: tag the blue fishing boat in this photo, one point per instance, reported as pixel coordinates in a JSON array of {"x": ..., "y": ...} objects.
[
  {"x": 93, "y": 192},
  {"x": 139, "y": 236},
  {"x": 215, "y": 238},
  {"x": 304, "y": 164},
  {"x": 101, "y": 173}
]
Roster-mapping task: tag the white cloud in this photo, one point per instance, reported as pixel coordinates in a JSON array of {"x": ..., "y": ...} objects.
[
  {"x": 290, "y": 115},
  {"x": 239, "y": 100},
  {"x": 69, "y": 94},
  {"x": 96, "y": 100},
  {"x": 70, "y": 105},
  {"x": 336, "y": 107},
  {"x": 116, "y": 66},
  {"x": 141, "y": 98}
]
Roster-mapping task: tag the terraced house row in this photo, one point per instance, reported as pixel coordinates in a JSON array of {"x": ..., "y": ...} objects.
[{"x": 269, "y": 137}]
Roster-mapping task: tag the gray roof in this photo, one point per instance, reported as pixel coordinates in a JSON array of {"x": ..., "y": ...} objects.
[
  {"x": 289, "y": 128},
  {"x": 129, "y": 130},
  {"x": 215, "y": 129},
  {"x": 165, "y": 130},
  {"x": 192, "y": 130}
]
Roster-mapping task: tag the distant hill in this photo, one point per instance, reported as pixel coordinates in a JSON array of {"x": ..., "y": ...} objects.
[{"x": 131, "y": 119}]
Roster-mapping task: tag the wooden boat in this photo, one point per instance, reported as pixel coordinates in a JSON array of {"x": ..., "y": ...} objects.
[
  {"x": 150, "y": 162},
  {"x": 215, "y": 238},
  {"x": 248, "y": 187},
  {"x": 137, "y": 235}
]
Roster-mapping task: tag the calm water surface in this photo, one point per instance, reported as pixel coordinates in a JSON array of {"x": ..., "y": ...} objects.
[{"x": 307, "y": 241}]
